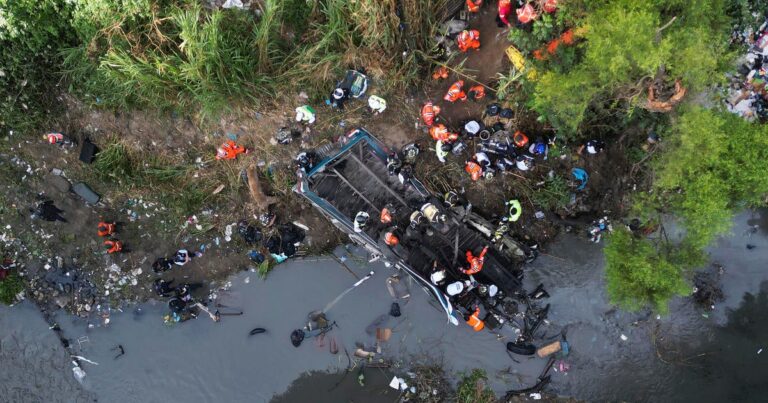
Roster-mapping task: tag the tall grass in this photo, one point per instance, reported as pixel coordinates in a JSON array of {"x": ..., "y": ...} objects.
[
  {"x": 183, "y": 57},
  {"x": 116, "y": 162}
]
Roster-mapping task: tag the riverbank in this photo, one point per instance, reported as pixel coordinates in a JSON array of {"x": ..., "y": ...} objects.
[{"x": 712, "y": 358}]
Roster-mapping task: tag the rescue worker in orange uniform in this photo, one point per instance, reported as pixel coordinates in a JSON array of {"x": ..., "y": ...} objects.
[
  {"x": 113, "y": 246},
  {"x": 391, "y": 239},
  {"x": 475, "y": 170},
  {"x": 386, "y": 216},
  {"x": 505, "y": 10},
  {"x": 440, "y": 74},
  {"x": 455, "y": 93},
  {"x": 526, "y": 13},
  {"x": 428, "y": 113},
  {"x": 230, "y": 150},
  {"x": 440, "y": 133},
  {"x": 468, "y": 39},
  {"x": 474, "y": 5},
  {"x": 475, "y": 262},
  {"x": 476, "y": 92},
  {"x": 105, "y": 228},
  {"x": 550, "y": 6},
  {"x": 474, "y": 320}
]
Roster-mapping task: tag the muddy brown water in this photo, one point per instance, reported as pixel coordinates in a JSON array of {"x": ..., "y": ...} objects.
[{"x": 694, "y": 358}]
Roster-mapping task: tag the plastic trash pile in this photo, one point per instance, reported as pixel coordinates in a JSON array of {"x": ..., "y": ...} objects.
[{"x": 747, "y": 96}]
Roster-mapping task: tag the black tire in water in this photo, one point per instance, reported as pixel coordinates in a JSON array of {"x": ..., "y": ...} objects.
[
  {"x": 521, "y": 348},
  {"x": 257, "y": 331}
]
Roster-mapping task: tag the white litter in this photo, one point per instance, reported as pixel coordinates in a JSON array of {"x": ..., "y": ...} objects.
[
  {"x": 760, "y": 351},
  {"x": 535, "y": 396},
  {"x": 79, "y": 373},
  {"x": 233, "y": 4},
  {"x": 624, "y": 338}
]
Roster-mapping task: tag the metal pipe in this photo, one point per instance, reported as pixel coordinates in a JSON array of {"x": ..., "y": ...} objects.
[
  {"x": 357, "y": 192},
  {"x": 375, "y": 177}
]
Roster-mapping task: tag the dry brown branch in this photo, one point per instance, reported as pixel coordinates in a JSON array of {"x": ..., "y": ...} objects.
[{"x": 261, "y": 200}]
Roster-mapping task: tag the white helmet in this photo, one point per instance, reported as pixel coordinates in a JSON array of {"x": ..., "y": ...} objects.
[
  {"x": 472, "y": 127},
  {"x": 455, "y": 288},
  {"x": 437, "y": 276}
]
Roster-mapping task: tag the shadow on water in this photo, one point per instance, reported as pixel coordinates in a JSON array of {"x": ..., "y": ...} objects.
[
  {"x": 322, "y": 387},
  {"x": 759, "y": 220},
  {"x": 734, "y": 367}
]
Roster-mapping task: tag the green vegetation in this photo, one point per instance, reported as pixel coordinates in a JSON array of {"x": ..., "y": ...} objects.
[
  {"x": 709, "y": 165},
  {"x": 624, "y": 45},
  {"x": 472, "y": 388},
  {"x": 11, "y": 286},
  {"x": 638, "y": 276},
  {"x": 174, "y": 55},
  {"x": 715, "y": 165},
  {"x": 30, "y": 33},
  {"x": 555, "y": 194}
]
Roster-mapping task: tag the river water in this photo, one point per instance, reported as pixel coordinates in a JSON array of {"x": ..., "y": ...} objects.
[{"x": 683, "y": 356}]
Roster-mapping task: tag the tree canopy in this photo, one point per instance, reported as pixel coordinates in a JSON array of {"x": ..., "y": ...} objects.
[{"x": 626, "y": 44}]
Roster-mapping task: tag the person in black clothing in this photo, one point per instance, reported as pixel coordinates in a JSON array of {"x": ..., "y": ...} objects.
[
  {"x": 47, "y": 211},
  {"x": 163, "y": 288},
  {"x": 162, "y": 264}
]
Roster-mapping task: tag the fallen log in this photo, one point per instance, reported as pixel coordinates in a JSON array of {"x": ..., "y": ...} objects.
[{"x": 261, "y": 200}]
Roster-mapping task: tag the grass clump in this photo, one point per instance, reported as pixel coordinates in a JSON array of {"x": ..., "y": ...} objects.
[
  {"x": 472, "y": 388},
  {"x": 555, "y": 194},
  {"x": 10, "y": 287}
]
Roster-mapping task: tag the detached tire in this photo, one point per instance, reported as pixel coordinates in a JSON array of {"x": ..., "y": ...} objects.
[{"x": 521, "y": 348}]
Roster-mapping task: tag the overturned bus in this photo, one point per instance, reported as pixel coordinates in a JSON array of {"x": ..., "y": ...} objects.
[{"x": 352, "y": 177}]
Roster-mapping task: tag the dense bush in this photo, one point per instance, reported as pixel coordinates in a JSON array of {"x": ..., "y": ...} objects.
[
  {"x": 638, "y": 276},
  {"x": 31, "y": 32},
  {"x": 10, "y": 286},
  {"x": 626, "y": 44},
  {"x": 713, "y": 165}
]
